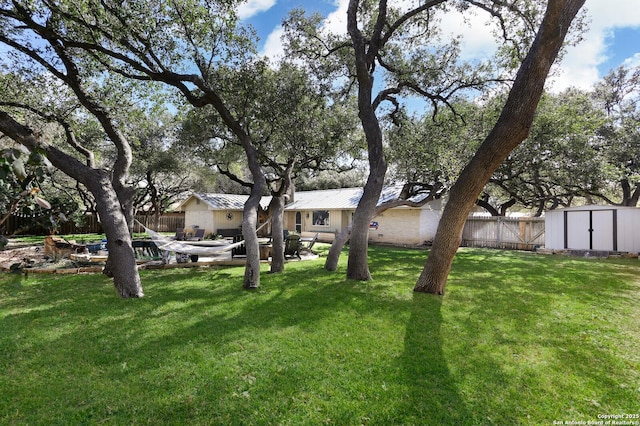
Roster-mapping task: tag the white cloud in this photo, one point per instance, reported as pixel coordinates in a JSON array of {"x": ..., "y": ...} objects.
[
  {"x": 633, "y": 61},
  {"x": 273, "y": 44},
  {"x": 579, "y": 68},
  {"x": 253, "y": 7},
  {"x": 478, "y": 41},
  {"x": 336, "y": 21}
]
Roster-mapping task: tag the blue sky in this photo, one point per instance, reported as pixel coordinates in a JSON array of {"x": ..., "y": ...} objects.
[{"x": 613, "y": 37}]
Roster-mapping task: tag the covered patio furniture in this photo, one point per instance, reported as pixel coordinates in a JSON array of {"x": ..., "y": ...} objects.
[{"x": 292, "y": 246}]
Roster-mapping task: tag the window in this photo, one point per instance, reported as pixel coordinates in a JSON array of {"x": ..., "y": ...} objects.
[{"x": 321, "y": 218}]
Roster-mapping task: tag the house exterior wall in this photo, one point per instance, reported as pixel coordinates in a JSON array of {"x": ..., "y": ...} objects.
[
  {"x": 395, "y": 227},
  {"x": 226, "y": 219},
  {"x": 338, "y": 219},
  {"x": 200, "y": 214},
  {"x": 429, "y": 219},
  {"x": 407, "y": 226},
  {"x": 401, "y": 225},
  {"x": 197, "y": 213},
  {"x": 289, "y": 220}
]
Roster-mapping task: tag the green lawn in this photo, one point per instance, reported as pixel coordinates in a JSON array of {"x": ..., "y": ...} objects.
[{"x": 519, "y": 338}]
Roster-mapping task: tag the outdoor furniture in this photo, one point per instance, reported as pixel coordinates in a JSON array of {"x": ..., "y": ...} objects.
[
  {"x": 241, "y": 250},
  {"x": 145, "y": 248},
  {"x": 292, "y": 246},
  {"x": 198, "y": 236},
  {"x": 307, "y": 243},
  {"x": 179, "y": 234},
  {"x": 228, "y": 232},
  {"x": 265, "y": 251}
]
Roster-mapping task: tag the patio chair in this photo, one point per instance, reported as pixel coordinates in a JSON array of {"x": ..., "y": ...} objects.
[
  {"x": 240, "y": 250},
  {"x": 198, "y": 236},
  {"x": 292, "y": 246},
  {"x": 310, "y": 244},
  {"x": 179, "y": 234}
]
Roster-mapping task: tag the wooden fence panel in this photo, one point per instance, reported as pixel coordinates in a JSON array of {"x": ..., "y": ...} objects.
[
  {"x": 27, "y": 225},
  {"x": 168, "y": 222},
  {"x": 504, "y": 232}
]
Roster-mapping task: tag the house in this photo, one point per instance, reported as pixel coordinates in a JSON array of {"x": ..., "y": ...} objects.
[
  {"x": 597, "y": 228},
  {"x": 216, "y": 212},
  {"x": 325, "y": 212}
]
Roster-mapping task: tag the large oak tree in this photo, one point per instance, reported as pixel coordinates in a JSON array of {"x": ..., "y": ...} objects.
[
  {"x": 182, "y": 44},
  {"x": 35, "y": 41},
  {"x": 396, "y": 51},
  {"x": 510, "y": 130}
]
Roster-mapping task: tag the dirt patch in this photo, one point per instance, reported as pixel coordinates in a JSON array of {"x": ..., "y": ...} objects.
[
  {"x": 24, "y": 255},
  {"x": 28, "y": 257}
]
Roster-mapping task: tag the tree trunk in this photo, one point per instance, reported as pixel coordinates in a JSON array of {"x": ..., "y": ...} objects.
[
  {"x": 630, "y": 195},
  {"x": 365, "y": 51},
  {"x": 249, "y": 225},
  {"x": 633, "y": 201},
  {"x": 125, "y": 196},
  {"x": 331, "y": 264},
  {"x": 358, "y": 265},
  {"x": 124, "y": 270},
  {"x": 510, "y": 130},
  {"x": 121, "y": 260},
  {"x": 250, "y": 218},
  {"x": 276, "y": 208}
]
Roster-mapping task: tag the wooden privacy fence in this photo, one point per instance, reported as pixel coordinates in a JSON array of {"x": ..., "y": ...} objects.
[
  {"x": 504, "y": 232},
  {"x": 169, "y": 222},
  {"x": 34, "y": 225}
]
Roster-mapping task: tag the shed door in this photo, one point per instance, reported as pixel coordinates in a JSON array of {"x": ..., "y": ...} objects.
[
  {"x": 577, "y": 230},
  {"x": 590, "y": 230},
  {"x": 602, "y": 221}
]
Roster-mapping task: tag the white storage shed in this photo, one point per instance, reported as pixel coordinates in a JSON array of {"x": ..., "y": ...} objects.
[{"x": 602, "y": 228}]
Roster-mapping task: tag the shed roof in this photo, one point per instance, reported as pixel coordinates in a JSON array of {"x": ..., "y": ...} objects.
[{"x": 592, "y": 207}]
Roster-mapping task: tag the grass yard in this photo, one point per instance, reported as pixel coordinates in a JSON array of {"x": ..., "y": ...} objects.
[{"x": 519, "y": 338}]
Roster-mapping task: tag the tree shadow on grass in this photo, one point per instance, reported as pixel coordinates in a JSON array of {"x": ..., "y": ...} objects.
[
  {"x": 432, "y": 396},
  {"x": 191, "y": 349}
]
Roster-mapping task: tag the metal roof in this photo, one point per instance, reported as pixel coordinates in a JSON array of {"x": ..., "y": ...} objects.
[
  {"x": 225, "y": 201},
  {"x": 342, "y": 199},
  {"x": 323, "y": 199},
  {"x": 326, "y": 199}
]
